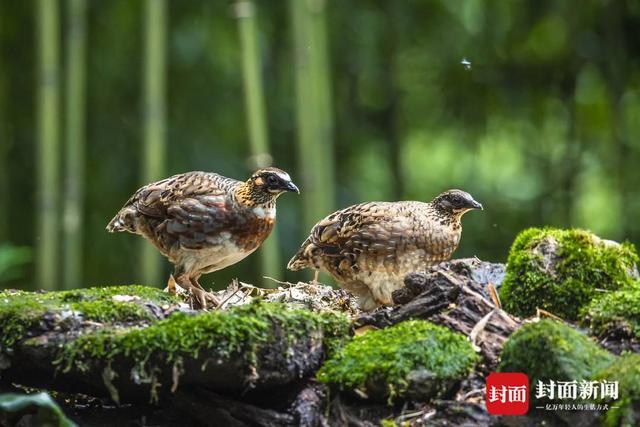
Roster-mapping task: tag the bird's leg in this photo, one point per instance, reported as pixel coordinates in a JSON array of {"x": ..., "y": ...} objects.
[
  {"x": 182, "y": 280},
  {"x": 201, "y": 297},
  {"x": 195, "y": 282},
  {"x": 316, "y": 274},
  {"x": 209, "y": 298}
]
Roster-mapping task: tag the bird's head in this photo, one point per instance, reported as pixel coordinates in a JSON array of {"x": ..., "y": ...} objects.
[
  {"x": 455, "y": 202},
  {"x": 265, "y": 185}
]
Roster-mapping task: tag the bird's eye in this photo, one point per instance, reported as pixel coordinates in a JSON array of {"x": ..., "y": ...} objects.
[{"x": 272, "y": 180}]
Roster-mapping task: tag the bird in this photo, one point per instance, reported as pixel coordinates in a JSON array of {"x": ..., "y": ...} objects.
[
  {"x": 203, "y": 222},
  {"x": 369, "y": 248}
]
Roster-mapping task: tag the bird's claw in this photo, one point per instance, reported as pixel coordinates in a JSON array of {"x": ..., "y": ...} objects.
[{"x": 204, "y": 299}]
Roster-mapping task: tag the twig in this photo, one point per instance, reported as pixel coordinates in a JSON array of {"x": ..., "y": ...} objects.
[
  {"x": 472, "y": 392},
  {"x": 251, "y": 288},
  {"x": 429, "y": 414},
  {"x": 477, "y": 295},
  {"x": 507, "y": 318},
  {"x": 279, "y": 281},
  {"x": 479, "y": 327},
  {"x": 408, "y": 416},
  {"x": 494, "y": 295},
  {"x": 224, "y": 301},
  {"x": 546, "y": 313}
]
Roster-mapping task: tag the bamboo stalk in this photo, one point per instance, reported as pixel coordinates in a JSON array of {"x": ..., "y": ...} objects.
[
  {"x": 154, "y": 154},
  {"x": 48, "y": 144},
  {"x": 4, "y": 161},
  {"x": 256, "y": 117},
  {"x": 314, "y": 113},
  {"x": 75, "y": 142}
]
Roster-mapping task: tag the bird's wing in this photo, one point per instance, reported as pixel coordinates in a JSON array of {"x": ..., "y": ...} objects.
[
  {"x": 200, "y": 221},
  {"x": 343, "y": 223},
  {"x": 190, "y": 209},
  {"x": 154, "y": 200},
  {"x": 375, "y": 227}
]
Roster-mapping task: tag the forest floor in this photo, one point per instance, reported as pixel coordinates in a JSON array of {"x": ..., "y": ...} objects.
[{"x": 304, "y": 354}]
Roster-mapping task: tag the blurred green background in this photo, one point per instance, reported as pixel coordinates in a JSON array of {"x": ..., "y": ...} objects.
[{"x": 359, "y": 100}]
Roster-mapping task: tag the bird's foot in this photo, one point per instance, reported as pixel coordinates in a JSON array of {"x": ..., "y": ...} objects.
[
  {"x": 203, "y": 299},
  {"x": 199, "y": 298},
  {"x": 206, "y": 299}
]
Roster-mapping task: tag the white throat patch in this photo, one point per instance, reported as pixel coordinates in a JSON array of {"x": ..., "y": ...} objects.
[{"x": 264, "y": 212}]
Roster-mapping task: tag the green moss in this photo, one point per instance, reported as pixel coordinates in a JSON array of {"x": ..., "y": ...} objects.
[
  {"x": 17, "y": 315},
  {"x": 389, "y": 355},
  {"x": 584, "y": 263},
  {"x": 237, "y": 331},
  {"x": 626, "y": 370},
  {"x": 147, "y": 293},
  {"x": 550, "y": 350},
  {"x": 22, "y": 311},
  {"x": 615, "y": 308}
]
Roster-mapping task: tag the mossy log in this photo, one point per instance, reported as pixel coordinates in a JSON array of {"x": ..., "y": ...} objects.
[
  {"x": 33, "y": 364},
  {"x": 150, "y": 351},
  {"x": 454, "y": 294}
]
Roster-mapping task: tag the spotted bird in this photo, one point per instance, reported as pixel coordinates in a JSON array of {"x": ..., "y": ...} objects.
[
  {"x": 369, "y": 248},
  {"x": 203, "y": 222}
]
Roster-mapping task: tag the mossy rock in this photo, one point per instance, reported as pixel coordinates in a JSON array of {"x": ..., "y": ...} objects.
[
  {"x": 561, "y": 271},
  {"x": 615, "y": 310},
  {"x": 626, "y": 410},
  {"x": 550, "y": 350},
  {"x": 413, "y": 359},
  {"x": 21, "y": 311}
]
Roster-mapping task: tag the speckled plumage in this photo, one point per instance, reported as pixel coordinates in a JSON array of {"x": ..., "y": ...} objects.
[
  {"x": 202, "y": 221},
  {"x": 368, "y": 248}
]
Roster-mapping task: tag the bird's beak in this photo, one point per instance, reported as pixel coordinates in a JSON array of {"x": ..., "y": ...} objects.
[
  {"x": 292, "y": 187},
  {"x": 476, "y": 205}
]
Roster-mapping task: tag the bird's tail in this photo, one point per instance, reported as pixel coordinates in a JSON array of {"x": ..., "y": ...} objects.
[
  {"x": 123, "y": 221},
  {"x": 303, "y": 258}
]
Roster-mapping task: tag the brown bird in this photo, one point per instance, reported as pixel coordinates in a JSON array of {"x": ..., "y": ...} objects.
[
  {"x": 370, "y": 247},
  {"x": 203, "y": 222}
]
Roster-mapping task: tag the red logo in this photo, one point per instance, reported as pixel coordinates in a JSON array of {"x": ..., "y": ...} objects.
[{"x": 507, "y": 393}]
